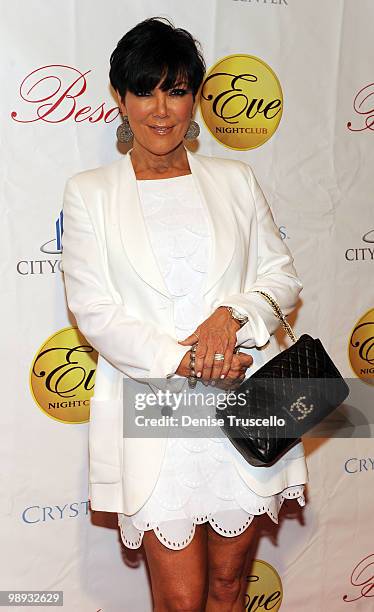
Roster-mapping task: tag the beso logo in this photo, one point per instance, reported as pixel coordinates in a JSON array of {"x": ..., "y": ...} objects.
[
  {"x": 265, "y": 589},
  {"x": 363, "y": 105},
  {"x": 51, "y": 93},
  {"x": 241, "y": 102},
  {"x": 362, "y": 577},
  {"x": 62, "y": 376}
]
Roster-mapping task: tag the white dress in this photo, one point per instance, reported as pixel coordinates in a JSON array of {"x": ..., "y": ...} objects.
[{"x": 198, "y": 481}]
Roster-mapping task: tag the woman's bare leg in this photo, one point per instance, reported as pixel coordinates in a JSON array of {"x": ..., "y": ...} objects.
[
  {"x": 178, "y": 577},
  {"x": 226, "y": 566}
]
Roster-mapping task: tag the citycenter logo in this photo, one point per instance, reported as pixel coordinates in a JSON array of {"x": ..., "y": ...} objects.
[
  {"x": 62, "y": 376},
  {"x": 241, "y": 102},
  {"x": 28, "y": 267},
  {"x": 361, "y": 348},
  {"x": 362, "y": 253},
  {"x": 265, "y": 590}
]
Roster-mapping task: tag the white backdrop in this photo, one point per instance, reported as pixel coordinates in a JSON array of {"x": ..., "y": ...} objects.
[{"x": 317, "y": 174}]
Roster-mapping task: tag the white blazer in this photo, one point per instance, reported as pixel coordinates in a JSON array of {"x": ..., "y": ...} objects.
[{"x": 121, "y": 304}]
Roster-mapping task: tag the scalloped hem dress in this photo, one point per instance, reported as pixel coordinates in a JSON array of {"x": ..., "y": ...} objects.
[{"x": 198, "y": 480}]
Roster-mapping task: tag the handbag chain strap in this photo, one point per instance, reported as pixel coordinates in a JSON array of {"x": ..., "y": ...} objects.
[{"x": 287, "y": 327}]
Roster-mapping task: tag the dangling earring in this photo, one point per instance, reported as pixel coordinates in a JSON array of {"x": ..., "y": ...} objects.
[
  {"x": 193, "y": 130},
  {"x": 124, "y": 131}
]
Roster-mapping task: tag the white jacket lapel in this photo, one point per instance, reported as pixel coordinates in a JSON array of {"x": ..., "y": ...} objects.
[
  {"x": 219, "y": 213},
  {"x": 134, "y": 233}
]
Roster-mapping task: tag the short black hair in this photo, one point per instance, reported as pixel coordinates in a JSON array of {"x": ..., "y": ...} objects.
[{"x": 152, "y": 50}]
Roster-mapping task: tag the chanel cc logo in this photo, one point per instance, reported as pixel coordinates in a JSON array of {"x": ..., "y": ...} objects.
[{"x": 302, "y": 408}]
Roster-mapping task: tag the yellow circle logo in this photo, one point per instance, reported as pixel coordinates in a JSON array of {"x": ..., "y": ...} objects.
[
  {"x": 241, "y": 102},
  {"x": 361, "y": 348},
  {"x": 265, "y": 591},
  {"x": 62, "y": 376}
]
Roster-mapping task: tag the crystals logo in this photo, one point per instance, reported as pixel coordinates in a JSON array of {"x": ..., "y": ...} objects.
[
  {"x": 265, "y": 588},
  {"x": 27, "y": 267},
  {"x": 365, "y": 253},
  {"x": 361, "y": 348},
  {"x": 355, "y": 465},
  {"x": 41, "y": 514},
  {"x": 283, "y": 232},
  {"x": 241, "y": 102},
  {"x": 62, "y": 376}
]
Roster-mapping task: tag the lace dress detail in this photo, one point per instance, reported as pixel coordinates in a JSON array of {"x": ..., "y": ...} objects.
[{"x": 198, "y": 481}]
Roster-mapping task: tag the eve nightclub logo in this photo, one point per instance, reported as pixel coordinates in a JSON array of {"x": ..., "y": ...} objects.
[
  {"x": 62, "y": 376},
  {"x": 361, "y": 347},
  {"x": 241, "y": 101}
]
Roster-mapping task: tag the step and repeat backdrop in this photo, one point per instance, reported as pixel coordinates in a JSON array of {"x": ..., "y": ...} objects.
[{"x": 304, "y": 121}]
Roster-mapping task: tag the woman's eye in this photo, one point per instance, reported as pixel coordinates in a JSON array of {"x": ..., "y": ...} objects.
[
  {"x": 179, "y": 92},
  {"x": 172, "y": 92}
]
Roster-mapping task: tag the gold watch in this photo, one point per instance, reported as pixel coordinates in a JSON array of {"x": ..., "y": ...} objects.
[{"x": 242, "y": 319}]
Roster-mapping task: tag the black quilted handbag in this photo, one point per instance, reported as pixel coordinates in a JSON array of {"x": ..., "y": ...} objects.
[{"x": 269, "y": 412}]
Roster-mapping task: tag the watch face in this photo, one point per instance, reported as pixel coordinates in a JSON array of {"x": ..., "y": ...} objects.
[{"x": 239, "y": 315}]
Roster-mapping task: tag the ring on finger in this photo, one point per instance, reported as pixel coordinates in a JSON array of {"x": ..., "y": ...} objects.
[{"x": 219, "y": 357}]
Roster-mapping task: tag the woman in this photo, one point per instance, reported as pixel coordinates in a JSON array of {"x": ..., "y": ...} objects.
[{"x": 161, "y": 251}]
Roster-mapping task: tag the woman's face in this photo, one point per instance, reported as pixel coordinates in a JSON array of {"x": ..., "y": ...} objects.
[{"x": 159, "y": 119}]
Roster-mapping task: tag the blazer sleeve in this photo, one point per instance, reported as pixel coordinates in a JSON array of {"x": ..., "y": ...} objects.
[
  {"x": 276, "y": 275},
  {"x": 136, "y": 347}
]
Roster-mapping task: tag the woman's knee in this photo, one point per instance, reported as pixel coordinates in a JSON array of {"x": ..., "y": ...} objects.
[
  {"x": 180, "y": 601},
  {"x": 224, "y": 588}
]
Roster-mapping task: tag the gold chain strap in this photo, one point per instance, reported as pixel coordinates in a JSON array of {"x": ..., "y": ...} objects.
[{"x": 287, "y": 327}]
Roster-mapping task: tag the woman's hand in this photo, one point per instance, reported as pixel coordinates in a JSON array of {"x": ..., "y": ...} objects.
[
  {"x": 184, "y": 367},
  {"x": 239, "y": 364},
  {"x": 236, "y": 375},
  {"x": 217, "y": 334}
]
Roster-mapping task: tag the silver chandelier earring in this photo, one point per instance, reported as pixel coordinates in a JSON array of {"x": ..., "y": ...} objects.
[
  {"x": 193, "y": 130},
  {"x": 124, "y": 131}
]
